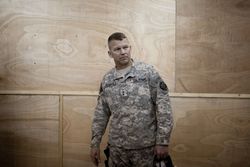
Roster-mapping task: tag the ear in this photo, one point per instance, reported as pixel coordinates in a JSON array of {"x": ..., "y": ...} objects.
[{"x": 110, "y": 55}]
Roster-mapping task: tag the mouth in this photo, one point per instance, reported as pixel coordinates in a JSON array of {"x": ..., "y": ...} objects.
[{"x": 123, "y": 58}]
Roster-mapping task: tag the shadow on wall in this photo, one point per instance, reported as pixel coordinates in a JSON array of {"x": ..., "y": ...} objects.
[
  {"x": 8, "y": 144},
  {"x": 19, "y": 151}
]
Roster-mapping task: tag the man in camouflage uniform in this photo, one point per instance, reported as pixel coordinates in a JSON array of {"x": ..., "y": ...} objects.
[{"x": 135, "y": 98}]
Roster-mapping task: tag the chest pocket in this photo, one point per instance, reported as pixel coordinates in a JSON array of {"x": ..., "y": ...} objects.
[
  {"x": 138, "y": 85},
  {"x": 134, "y": 90}
]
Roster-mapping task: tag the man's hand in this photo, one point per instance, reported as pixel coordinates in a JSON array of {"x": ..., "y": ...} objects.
[
  {"x": 161, "y": 152},
  {"x": 95, "y": 155}
]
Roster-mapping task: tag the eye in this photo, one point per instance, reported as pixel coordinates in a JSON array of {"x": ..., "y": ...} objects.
[
  {"x": 117, "y": 49},
  {"x": 125, "y": 47}
]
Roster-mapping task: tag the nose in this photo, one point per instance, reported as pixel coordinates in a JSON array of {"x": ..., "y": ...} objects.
[{"x": 123, "y": 51}]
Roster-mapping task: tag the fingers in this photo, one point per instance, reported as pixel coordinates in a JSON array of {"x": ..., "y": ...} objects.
[
  {"x": 95, "y": 161},
  {"x": 161, "y": 156},
  {"x": 95, "y": 156},
  {"x": 161, "y": 152}
]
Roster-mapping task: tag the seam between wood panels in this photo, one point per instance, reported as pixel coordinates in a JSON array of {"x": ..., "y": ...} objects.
[
  {"x": 60, "y": 131},
  {"x": 95, "y": 93}
]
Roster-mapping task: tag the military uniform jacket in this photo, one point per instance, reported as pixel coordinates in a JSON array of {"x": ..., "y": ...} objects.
[{"x": 137, "y": 106}]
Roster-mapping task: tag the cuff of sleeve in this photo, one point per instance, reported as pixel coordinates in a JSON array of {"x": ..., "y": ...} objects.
[
  {"x": 94, "y": 145},
  {"x": 162, "y": 141}
]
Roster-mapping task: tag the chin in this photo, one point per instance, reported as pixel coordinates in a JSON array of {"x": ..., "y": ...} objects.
[{"x": 125, "y": 62}]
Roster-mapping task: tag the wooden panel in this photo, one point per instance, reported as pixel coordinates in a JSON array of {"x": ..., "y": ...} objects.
[
  {"x": 212, "y": 46},
  {"x": 77, "y": 116},
  {"x": 29, "y": 131},
  {"x": 208, "y": 132},
  {"x": 61, "y": 45},
  {"x": 211, "y": 132}
]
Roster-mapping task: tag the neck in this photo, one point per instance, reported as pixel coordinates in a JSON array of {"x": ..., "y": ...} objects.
[{"x": 123, "y": 66}]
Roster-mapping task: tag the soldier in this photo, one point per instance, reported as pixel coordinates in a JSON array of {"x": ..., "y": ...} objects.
[{"x": 135, "y": 99}]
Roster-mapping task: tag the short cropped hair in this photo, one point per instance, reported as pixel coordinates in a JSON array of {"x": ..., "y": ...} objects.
[{"x": 117, "y": 36}]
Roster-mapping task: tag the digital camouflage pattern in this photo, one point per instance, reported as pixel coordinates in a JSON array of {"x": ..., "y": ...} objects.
[
  {"x": 138, "y": 106},
  {"x": 120, "y": 157}
]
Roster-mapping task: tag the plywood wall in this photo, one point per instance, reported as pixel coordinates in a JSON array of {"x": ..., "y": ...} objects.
[
  {"x": 59, "y": 45},
  {"x": 29, "y": 127},
  {"x": 212, "y": 46},
  {"x": 208, "y": 132},
  {"x": 77, "y": 117},
  {"x": 211, "y": 132}
]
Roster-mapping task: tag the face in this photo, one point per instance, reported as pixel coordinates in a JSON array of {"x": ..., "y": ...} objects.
[{"x": 120, "y": 50}]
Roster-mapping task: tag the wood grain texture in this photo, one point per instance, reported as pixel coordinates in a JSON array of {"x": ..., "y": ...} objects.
[
  {"x": 212, "y": 46},
  {"x": 77, "y": 115},
  {"x": 29, "y": 131},
  {"x": 208, "y": 132},
  {"x": 61, "y": 45},
  {"x": 211, "y": 132}
]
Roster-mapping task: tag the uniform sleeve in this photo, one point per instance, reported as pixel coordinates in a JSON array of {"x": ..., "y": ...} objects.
[
  {"x": 100, "y": 120},
  {"x": 164, "y": 116}
]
